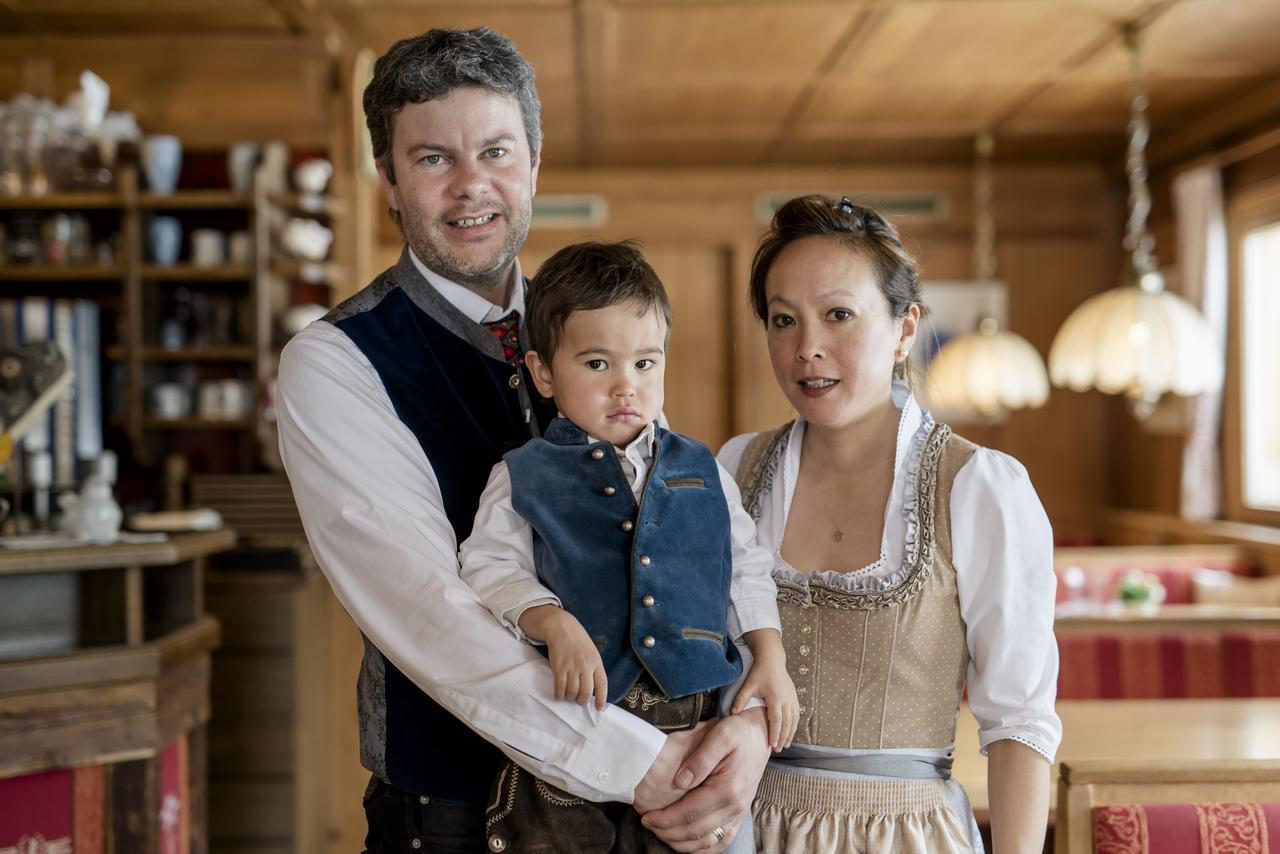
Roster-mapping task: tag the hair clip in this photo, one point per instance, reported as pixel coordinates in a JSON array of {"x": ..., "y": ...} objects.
[{"x": 844, "y": 205}]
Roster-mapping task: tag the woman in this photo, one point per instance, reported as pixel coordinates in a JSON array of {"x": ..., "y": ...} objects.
[{"x": 907, "y": 560}]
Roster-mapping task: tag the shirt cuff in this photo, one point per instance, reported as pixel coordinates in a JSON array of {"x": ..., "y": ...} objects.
[
  {"x": 1023, "y": 735},
  {"x": 747, "y": 615},
  {"x": 615, "y": 758},
  {"x": 511, "y": 617}
]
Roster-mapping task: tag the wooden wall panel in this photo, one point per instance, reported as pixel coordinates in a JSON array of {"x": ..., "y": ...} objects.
[{"x": 210, "y": 91}]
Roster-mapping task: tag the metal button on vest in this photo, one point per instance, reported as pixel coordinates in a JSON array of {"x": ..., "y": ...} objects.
[
  {"x": 609, "y": 490},
  {"x": 514, "y": 382},
  {"x": 804, "y": 630},
  {"x": 597, "y": 453},
  {"x": 627, "y": 525},
  {"x": 649, "y": 642},
  {"x": 804, "y": 668},
  {"x": 804, "y": 649},
  {"x": 645, "y": 560},
  {"x": 415, "y": 843},
  {"x": 497, "y": 843},
  {"x": 647, "y": 601},
  {"x": 424, "y": 800}
]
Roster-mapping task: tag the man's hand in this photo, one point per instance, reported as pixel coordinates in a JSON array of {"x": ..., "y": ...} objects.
[{"x": 725, "y": 766}]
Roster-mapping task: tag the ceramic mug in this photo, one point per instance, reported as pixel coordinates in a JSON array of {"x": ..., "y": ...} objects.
[
  {"x": 240, "y": 247},
  {"x": 170, "y": 401},
  {"x": 312, "y": 176},
  {"x": 162, "y": 161},
  {"x": 208, "y": 247},
  {"x": 242, "y": 159},
  {"x": 165, "y": 235},
  {"x": 235, "y": 399},
  {"x": 209, "y": 402}
]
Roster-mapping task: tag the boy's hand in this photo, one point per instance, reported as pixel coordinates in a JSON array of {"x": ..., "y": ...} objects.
[
  {"x": 768, "y": 680},
  {"x": 575, "y": 661}
]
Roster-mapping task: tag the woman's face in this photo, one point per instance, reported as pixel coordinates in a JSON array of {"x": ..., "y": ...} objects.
[{"x": 832, "y": 339}]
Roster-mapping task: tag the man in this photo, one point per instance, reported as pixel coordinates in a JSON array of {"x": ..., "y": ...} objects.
[{"x": 392, "y": 412}]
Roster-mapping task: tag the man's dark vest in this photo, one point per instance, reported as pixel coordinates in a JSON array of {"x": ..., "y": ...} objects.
[
  {"x": 649, "y": 581},
  {"x": 449, "y": 384}
]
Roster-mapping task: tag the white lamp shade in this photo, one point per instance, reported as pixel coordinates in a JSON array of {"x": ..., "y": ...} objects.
[
  {"x": 986, "y": 374},
  {"x": 1130, "y": 341}
]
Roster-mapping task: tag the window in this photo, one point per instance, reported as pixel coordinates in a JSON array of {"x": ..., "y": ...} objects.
[
  {"x": 1260, "y": 368},
  {"x": 1251, "y": 430}
]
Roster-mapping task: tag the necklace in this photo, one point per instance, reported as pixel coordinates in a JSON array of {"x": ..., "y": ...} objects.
[{"x": 837, "y": 535}]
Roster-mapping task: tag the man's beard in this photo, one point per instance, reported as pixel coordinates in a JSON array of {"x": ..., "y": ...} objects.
[{"x": 428, "y": 242}]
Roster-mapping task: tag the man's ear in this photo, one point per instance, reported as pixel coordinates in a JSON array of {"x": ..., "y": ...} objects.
[
  {"x": 388, "y": 188},
  {"x": 541, "y": 373}
]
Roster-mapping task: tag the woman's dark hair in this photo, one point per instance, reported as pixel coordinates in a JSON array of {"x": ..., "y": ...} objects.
[{"x": 859, "y": 228}]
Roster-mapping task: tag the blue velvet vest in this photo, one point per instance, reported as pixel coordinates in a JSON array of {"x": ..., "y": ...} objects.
[
  {"x": 649, "y": 582},
  {"x": 449, "y": 383}
]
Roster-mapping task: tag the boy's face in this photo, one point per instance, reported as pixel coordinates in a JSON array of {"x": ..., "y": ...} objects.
[{"x": 607, "y": 372}]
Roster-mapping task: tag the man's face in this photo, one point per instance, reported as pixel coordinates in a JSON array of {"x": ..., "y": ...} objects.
[{"x": 465, "y": 180}]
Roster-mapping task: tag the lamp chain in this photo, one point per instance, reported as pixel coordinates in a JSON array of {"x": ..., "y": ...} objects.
[
  {"x": 984, "y": 226},
  {"x": 1138, "y": 239}
]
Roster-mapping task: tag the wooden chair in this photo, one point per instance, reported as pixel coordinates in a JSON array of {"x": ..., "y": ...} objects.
[{"x": 1084, "y": 785}]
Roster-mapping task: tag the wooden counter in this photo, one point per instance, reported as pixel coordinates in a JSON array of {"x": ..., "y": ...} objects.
[
  {"x": 1139, "y": 730},
  {"x": 124, "y": 706}
]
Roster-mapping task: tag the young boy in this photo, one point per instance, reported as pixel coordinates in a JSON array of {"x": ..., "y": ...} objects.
[{"x": 620, "y": 545}]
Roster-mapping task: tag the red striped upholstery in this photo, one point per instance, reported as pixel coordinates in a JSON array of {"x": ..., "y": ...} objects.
[
  {"x": 1169, "y": 666},
  {"x": 1222, "y": 828}
]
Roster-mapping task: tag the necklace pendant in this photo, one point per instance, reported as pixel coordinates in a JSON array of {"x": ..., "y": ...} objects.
[{"x": 837, "y": 535}]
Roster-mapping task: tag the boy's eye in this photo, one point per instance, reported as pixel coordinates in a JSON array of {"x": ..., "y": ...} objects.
[
  {"x": 433, "y": 159},
  {"x": 646, "y": 364},
  {"x": 840, "y": 314},
  {"x": 778, "y": 321},
  {"x": 597, "y": 365},
  {"x": 496, "y": 152}
]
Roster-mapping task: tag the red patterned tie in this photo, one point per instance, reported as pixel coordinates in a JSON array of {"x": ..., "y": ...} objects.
[{"x": 507, "y": 330}]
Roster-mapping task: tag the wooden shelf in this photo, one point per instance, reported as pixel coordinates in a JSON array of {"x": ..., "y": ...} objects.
[
  {"x": 187, "y": 354},
  {"x": 192, "y": 273},
  {"x": 198, "y": 423},
  {"x": 309, "y": 203},
  {"x": 88, "y": 200},
  {"x": 312, "y": 272},
  {"x": 196, "y": 200},
  {"x": 49, "y": 273}
]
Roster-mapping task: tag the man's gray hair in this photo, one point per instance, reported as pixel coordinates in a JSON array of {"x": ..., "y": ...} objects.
[{"x": 432, "y": 65}]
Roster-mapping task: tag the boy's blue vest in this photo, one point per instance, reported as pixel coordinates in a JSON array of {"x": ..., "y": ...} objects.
[
  {"x": 650, "y": 583},
  {"x": 449, "y": 383}
]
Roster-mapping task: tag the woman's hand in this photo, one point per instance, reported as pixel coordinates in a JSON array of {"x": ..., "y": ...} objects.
[{"x": 575, "y": 661}]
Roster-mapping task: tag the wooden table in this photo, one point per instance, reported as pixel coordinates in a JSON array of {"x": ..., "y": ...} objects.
[{"x": 1140, "y": 729}]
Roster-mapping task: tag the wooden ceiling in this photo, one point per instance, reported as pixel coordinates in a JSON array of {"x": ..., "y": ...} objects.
[{"x": 816, "y": 82}]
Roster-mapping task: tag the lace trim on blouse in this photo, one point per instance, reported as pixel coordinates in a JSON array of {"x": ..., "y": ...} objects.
[{"x": 859, "y": 590}]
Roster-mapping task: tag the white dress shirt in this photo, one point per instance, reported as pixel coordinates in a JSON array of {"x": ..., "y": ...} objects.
[
  {"x": 1002, "y": 549},
  {"x": 375, "y": 519},
  {"x": 497, "y": 559}
]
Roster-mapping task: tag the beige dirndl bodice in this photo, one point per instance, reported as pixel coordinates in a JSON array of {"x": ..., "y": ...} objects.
[{"x": 879, "y": 665}]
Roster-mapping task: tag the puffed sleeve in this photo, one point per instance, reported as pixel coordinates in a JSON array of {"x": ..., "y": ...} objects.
[{"x": 1002, "y": 547}]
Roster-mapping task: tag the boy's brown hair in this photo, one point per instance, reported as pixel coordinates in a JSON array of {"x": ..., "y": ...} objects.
[{"x": 583, "y": 277}]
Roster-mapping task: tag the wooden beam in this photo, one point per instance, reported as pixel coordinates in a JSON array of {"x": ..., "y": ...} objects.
[{"x": 1258, "y": 105}]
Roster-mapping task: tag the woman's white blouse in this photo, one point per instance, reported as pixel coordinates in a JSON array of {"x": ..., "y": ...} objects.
[{"x": 1002, "y": 549}]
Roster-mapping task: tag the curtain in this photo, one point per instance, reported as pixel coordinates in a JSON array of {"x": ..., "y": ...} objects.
[{"x": 1202, "y": 263}]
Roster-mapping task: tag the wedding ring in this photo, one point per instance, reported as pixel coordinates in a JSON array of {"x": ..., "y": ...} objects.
[{"x": 718, "y": 833}]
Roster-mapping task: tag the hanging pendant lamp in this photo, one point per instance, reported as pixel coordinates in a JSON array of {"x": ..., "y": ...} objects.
[
  {"x": 982, "y": 375},
  {"x": 1138, "y": 340}
]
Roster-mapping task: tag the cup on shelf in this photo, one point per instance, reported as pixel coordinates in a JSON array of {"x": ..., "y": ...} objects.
[
  {"x": 170, "y": 401},
  {"x": 208, "y": 247},
  {"x": 306, "y": 239},
  {"x": 240, "y": 248},
  {"x": 242, "y": 159},
  {"x": 312, "y": 176},
  {"x": 165, "y": 237},
  {"x": 209, "y": 399},
  {"x": 275, "y": 167},
  {"x": 236, "y": 401},
  {"x": 162, "y": 161}
]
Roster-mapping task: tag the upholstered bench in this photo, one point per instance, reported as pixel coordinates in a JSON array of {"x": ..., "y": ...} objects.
[
  {"x": 1168, "y": 807},
  {"x": 1095, "y": 574}
]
